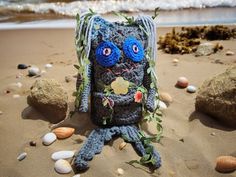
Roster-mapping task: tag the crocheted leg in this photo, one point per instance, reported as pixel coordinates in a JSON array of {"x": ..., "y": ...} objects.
[
  {"x": 93, "y": 146},
  {"x": 131, "y": 135}
]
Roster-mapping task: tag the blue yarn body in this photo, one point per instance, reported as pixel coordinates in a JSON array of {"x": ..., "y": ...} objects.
[{"x": 117, "y": 50}]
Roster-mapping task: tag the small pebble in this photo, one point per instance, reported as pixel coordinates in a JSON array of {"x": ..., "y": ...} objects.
[
  {"x": 120, "y": 171},
  {"x": 22, "y": 66},
  {"x": 1, "y": 112},
  {"x": 191, "y": 89},
  {"x": 22, "y": 156},
  {"x": 62, "y": 166},
  {"x": 32, "y": 143},
  {"x": 162, "y": 105},
  {"x": 16, "y": 96},
  {"x": 165, "y": 97},
  {"x": 78, "y": 175},
  {"x": 175, "y": 61},
  {"x": 49, "y": 138},
  {"x": 33, "y": 71},
  {"x": 213, "y": 134},
  {"x": 48, "y": 66},
  {"x": 19, "y": 84},
  {"x": 122, "y": 145},
  {"x": 182, "y": 82},
  {"x": 7, "y": 91},
  {"x": 62, "y": 155},
  {"x": 182, "y": 140},
  {"x": 229, "y": 53}
]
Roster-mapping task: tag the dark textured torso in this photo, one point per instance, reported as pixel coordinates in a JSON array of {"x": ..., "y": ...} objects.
[{"x": 125, "y": 110}]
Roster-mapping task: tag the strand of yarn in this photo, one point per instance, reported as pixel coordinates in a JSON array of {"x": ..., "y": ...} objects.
[{"x": 150, "y": 28}]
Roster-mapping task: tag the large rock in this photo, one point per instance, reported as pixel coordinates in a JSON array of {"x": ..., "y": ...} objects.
[
  {"x": 49, "y": 98},
  {"x": 204, "y": 49},
  {"x": 217, "y": 97}
]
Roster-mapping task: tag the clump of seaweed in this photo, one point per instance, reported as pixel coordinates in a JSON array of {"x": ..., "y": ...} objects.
[
  {"x": 219, "y": 32},
  {"x": 175, "y": 43},
  {"x": 187, "y": 40}
]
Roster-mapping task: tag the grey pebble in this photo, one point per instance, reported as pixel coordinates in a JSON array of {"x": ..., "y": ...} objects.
[{"x": 22, "y": 156}]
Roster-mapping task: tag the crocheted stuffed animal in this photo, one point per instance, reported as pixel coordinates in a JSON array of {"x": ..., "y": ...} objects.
[{"x": 114, "y": 62}]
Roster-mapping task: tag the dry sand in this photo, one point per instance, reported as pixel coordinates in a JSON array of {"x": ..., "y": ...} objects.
[{"x": 193, "y": 157}]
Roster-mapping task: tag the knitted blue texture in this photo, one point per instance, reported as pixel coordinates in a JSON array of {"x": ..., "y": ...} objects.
[
  {"x": 116, "y": 50},
  {"x": 99, "y": 136},
  {"x": 107, "y": 54},
  {"x": 133, "y": 49}
]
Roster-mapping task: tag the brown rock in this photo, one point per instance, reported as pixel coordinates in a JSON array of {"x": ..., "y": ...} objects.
[
  {"x": 225, "y": 164},
  {"x": 217, "y": 97},
  {"x": 165, "y": 97},
  {"x": 49, "y": 98}
]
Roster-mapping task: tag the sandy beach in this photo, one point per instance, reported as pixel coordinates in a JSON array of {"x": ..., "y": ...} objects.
[{"x": 191, "y": 143}]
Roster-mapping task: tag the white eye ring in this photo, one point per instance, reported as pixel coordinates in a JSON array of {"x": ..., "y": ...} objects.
[
  {"x": 135, "y": 48},
  {"x": 106, "y": 51}
]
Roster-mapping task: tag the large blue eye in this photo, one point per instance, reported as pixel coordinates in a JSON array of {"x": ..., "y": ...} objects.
[
  {"x": 133, "y": 49},
  {"x": 107, "y": 54}
]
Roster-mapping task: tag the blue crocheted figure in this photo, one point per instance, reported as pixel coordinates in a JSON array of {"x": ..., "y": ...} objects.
[{"x": 113, "y": 72}]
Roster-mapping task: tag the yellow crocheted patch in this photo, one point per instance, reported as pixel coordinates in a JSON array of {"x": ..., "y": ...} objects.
[{"x": 120, "y": 86}]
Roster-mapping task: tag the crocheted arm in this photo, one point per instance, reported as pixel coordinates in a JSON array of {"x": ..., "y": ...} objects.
[
  {"x": 150, "y": 102},
  {"x": 84, "y": 103}
]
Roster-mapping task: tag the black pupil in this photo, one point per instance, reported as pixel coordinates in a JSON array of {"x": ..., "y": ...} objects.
[
  {"x": 106, "y": 51},
  {"x": 135, "y": 48}
]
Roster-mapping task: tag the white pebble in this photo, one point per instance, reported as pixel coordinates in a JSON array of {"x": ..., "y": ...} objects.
[
  {"x": 22, "y": 156},
  {"x": 162, "y": 105},
  {"x": 1, "y": 112},
  {"x": 62, "y": 166},
  {"x": 229, "y": 53},
  {"x": 213, "y": 134},
  {"x": 19, "y": 84},
  {"x": 191, "y": 89},
  {"x": 49, "y": 138},
  {"x": 120, "y": 171},
  {"x": 175, "y": 61},
  {"x": 33, "y": 71},
  {"x": 16, "y": 96},
  {"x": 78, "y": 175},
  {"x": 47, "y": 66},
  {"x": 62, "y": 155}
]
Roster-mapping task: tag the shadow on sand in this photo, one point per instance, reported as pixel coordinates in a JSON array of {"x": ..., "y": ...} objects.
[
  {"x": 80, "y": 121},
  {"x": 209, "y": 121}
]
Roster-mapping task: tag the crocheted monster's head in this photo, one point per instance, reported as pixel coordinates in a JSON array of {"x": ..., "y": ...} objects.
[
  {"x": 117, "y": 50},
  {"x": 118, "y": 57}
]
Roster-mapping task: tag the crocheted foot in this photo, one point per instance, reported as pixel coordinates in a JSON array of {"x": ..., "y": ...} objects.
[
  {"x": 157, "y": 158},
  {"x": 93, "y": 146},
  {"x": 131, "y": 134},
  {"x": 80, "y": 164}
]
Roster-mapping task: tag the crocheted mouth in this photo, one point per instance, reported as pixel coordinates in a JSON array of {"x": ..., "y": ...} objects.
[{"x": 119, "y": 70}]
